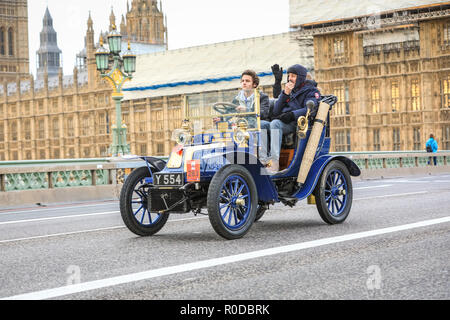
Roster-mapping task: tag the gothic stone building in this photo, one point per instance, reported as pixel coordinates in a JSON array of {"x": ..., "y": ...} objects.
[
  {"x": 145, "y": 23},
  {"x": 14, "y": 56},
  {"x": 48, "y": 55},
  {"x": 391, "y": 73},
  {"x": 59, "y": 116},
  {"x": 72, "y": 116}
]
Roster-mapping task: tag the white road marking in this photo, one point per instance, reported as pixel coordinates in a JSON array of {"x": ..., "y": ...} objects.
[
  {"x": 58, "y": 208},
  {"x": 374, "y": 187},
  {"x": 84, "y": 231},
  {"x": 392, "y": 195},
  {"x": 73, "y": 216},
  {"x": 146, "y": 275},
  {"x": 61, "y": 217},
  {"x": 422, "y": 182},
  {"x": 60, "y": 234},
  {"x": 116, "y": 212}
]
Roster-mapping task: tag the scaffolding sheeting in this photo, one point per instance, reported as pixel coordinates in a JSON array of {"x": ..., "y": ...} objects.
[
  {"x": 306, "y": 12},
  {"x": 214, "y": 66}
]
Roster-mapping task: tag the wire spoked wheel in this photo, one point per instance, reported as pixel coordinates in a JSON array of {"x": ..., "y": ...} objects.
[
  {"x": 334, "y": 193},
  {"x": 135, "y": 206},
  {"x": 232, "y": 202}
]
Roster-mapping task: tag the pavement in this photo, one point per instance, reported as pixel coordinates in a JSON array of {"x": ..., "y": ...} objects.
[{"x": 394, "y": 245}]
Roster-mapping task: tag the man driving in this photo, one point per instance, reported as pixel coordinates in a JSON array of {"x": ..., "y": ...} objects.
[
  {"x": 246, "y": 97},
  {"x": 245, "y": 100}
]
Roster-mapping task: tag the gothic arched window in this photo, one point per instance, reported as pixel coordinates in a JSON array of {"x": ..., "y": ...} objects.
[
  {"x": 10, "y": 42},
  {"x": 2, "y": 41},
  {"x": 158, "y": 31}
]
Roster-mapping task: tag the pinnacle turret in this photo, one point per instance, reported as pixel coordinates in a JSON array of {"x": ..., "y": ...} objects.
[
  {"x": 112, "y": 20},
  {"x": 48, "y": 55}
]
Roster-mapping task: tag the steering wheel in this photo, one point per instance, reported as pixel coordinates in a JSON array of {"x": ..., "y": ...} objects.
[{"x": 225, "y": 107}]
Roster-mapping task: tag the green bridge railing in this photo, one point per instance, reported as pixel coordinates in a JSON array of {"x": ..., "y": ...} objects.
[
  {"x": 397, "y": 159},
  {"x": 54, "y": 174}
]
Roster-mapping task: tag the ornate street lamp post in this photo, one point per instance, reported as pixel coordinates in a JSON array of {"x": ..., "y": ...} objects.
[{"x": 121, "y": 71}]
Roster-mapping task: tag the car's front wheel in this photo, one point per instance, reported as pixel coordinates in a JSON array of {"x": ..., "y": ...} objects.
[
  {"x": 135, "y": 206},
  {"x": 232, "y": 202}
]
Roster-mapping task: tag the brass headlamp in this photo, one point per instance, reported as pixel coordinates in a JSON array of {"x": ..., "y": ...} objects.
[
  {"x": 241, "y": 135},
  {"x": 182, "y": 136}
]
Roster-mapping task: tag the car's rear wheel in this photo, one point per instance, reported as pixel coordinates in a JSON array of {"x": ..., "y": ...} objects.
[
  {"x": 135, "y": 206},
  {"x": 232, "y": 202},
  {"x": 334, "y": 193}
]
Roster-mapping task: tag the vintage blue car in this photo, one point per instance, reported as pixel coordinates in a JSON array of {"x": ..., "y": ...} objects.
[{"x": 214, "y": 169}]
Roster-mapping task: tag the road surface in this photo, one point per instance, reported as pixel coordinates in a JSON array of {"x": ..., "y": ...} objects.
[{"x": 394, "y": 245}]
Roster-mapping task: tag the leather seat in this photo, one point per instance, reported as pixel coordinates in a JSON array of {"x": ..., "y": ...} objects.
[{"x": 289, "y": 141}]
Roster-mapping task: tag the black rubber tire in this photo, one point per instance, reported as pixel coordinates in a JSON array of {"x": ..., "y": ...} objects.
[
  {"x": 214, "y": 193},
  {"x": 260, "y": 213},
  {"x": 126, "y": 210},
  {"x": 319, "y": 193}
]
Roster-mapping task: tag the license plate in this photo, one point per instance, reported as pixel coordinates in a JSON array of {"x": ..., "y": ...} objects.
[{"x": 169, "y": 179}]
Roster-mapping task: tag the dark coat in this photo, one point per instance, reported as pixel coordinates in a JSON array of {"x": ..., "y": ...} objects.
[
  {"x": 265, "y": 107},
  {"x": 296, "y": 101}
]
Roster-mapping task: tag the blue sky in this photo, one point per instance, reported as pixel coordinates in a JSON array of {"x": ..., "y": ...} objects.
[{"x": 190, "y": 22}]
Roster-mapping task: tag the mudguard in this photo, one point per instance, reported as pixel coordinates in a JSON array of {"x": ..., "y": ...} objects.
[
  {"x": 153, "y": 165},
  {"x": 156, "y": 163},
  {"x": 267, "y": 191},
  {"x": 316, "y": 171}
]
